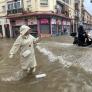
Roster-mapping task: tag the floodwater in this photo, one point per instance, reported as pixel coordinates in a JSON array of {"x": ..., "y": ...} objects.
[{"x": 67, "y": 66}]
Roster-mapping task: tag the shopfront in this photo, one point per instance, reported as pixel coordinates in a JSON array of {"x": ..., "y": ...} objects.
[
  {"x": 66, "y": 26},
  {"x": 32, "y": 23},
  {"x": 44, "y": 26},
  {"x": 54, "y": 26},
  {"x": 16, "y": 25},
  {"x": 41, "y": 24}
]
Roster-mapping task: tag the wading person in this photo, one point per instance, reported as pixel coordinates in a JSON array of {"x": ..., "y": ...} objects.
[{"x": 25, "y": 42}]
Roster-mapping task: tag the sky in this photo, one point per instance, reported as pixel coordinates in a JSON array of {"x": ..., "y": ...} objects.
[{"x": 88, "y": 6}]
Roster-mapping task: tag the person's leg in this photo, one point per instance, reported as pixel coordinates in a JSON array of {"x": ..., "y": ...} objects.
[
  {"x": 25, "y": 71},
  {"x": 31, "y": 70}
]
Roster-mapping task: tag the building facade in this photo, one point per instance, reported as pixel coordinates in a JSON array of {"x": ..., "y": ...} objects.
[
  {"x": 45, "y": 17},
  {"x": 5, "y": 28},
  {"x": 87, "y": 20}
]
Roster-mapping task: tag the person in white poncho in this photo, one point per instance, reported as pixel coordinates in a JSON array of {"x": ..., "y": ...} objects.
[{"x": 25, "y": 42}]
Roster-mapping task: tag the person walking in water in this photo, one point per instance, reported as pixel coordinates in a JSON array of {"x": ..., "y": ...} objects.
[{"x": 25, "y": 42}]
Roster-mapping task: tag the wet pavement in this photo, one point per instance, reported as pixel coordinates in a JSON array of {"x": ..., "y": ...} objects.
[{"x": 67, "y": 66}]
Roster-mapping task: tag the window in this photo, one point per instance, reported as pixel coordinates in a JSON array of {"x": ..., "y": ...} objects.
[
  {"x": 14, "y": 5},
  {"x": 67, "y": 1},
  {"x": 29, "y": 4},
  {"x": 4, "y": 8},
  {"x": 70, "y": 1},
  {"x": 10, "y": 6},
  {"x": 44, "y": 2}
]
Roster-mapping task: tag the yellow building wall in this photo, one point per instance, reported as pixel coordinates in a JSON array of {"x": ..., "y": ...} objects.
[
  {"x": 71, "y": 9},
  {"x": 50, "y": 7},
  {"x": 35, "y": 5}
]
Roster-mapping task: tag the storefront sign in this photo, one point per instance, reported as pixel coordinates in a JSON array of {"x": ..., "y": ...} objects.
[
  {"x": 44, "y": 21},
  {"x": 32, "y": 21},
  {"x": 20, "y": 22}
]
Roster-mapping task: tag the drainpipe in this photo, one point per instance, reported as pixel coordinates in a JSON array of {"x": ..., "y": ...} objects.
[
  {"x": 22, "y": 5},
  {"x": 51, "y": 26}
]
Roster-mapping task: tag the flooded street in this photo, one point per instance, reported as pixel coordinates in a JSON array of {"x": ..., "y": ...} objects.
[{"x": 67, "y": 66}]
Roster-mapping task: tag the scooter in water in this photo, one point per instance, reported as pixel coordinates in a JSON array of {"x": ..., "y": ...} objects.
[{"x": 88, "y": 40}]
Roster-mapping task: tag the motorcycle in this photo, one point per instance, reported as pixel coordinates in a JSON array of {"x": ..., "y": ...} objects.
[{"x": 88, "y": 39}]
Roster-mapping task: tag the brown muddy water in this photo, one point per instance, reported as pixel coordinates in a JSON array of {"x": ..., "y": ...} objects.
[{"x": 68, "y": 67}]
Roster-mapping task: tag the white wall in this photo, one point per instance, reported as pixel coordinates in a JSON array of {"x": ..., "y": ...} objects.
[{"x": 3, "y": 13}]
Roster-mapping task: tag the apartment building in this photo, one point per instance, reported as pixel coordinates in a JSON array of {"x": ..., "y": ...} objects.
[
  {"x": 75, "y": 10},
  {"x": 87, "y": 20},
  {"x": 45, "y": 17},
  {"x": 5, "y": 28},
  {"x": 48, "y": 17}
]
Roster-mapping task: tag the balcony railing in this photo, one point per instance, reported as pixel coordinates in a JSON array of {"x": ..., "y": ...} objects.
[{"x": 14, "y": 11}]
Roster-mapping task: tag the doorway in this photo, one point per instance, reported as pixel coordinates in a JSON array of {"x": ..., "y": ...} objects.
[{"x": 7, "y": 31}]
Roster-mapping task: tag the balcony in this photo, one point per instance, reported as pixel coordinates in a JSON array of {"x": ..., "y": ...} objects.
[
  {"x": 62, "y": 9},
  {"x": 14, "y": 7},
  {"x": 14, "y": 11},
  {"x": 77, "y": 6}
]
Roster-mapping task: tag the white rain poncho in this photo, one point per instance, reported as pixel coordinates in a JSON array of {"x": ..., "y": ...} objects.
[{"x": 25, "y": 43}]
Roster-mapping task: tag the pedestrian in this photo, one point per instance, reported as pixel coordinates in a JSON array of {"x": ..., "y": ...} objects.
[
  {"x": 25, "y": 42},
  {"x": 81, "y": 36},
  {"x": 65, "y": 30}
]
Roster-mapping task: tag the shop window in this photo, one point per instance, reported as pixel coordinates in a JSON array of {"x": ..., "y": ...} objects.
[
  {"x": 54, "y": 29},
  {"x": 3, "y": 8},
  {"x": 44, "y": 2},
  {"x": 45, "y": 25}
]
